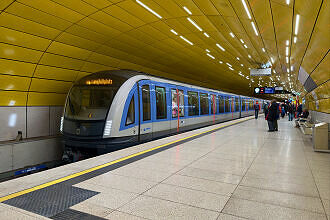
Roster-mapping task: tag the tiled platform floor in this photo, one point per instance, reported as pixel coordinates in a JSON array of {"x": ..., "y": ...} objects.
[{"x": 240, "y": 172}]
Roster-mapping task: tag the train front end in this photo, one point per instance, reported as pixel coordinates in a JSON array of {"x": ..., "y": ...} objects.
[{"x": 83, "y": 123}]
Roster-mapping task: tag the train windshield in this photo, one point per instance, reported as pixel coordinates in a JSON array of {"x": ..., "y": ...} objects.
[{"x": 89, "y": 102}]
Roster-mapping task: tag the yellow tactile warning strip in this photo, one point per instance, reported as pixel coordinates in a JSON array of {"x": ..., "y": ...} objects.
[{"x": 14, "y": 195}]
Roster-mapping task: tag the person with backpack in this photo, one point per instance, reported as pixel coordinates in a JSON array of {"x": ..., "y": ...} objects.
[{"x": 256, "y": 110}]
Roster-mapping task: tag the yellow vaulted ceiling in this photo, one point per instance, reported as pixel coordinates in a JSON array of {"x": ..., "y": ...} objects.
[{"x": 45, "y": 45}]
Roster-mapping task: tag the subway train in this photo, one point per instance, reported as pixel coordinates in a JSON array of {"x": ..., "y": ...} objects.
[{"x": 113, "y": 109}]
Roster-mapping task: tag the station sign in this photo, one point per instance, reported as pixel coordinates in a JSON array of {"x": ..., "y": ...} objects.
[
  {"x": 264, "y": 90},
  {"x": 261, "y": 72}
]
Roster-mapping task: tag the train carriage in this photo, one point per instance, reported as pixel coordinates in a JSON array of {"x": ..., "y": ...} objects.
[{"x": 113, "y": 109}]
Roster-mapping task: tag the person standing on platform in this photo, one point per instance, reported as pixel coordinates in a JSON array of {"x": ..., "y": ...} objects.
[
  {"x": 290, "y": 111},
  {"x": 256, "y": 109},
  {"x": 272, "y": 116},
  {"x": 265, "y": 109}
]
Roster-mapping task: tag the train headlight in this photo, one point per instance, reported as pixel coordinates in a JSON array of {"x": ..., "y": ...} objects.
[
  {"x": 107, "y": 128},
  {"x": 61, "y": 125}
]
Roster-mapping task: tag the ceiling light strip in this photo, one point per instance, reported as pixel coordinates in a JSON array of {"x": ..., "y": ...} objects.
[
  {"x": 218, "y": 45},
  {"x": 210, "y": 56},
  {"x": 246, "y": 9},
  {"x": 187, "y": 10},
  {"x": 194, "y": 23},
  {"x": 297, "y": 24},
  {"x": 174, "y": 32},
  {"x": 206, "y": 34},
  {"x": 189, "y": 42},
  {"x": 254, "y": 28},
  {"x": 149, "y": 9}
]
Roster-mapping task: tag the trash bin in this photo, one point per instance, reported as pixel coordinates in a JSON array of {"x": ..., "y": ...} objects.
[{"x": 320, "y": 137}]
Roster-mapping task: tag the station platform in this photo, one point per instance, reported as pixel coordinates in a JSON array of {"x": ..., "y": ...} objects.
[{"x": 232, "y": 170}]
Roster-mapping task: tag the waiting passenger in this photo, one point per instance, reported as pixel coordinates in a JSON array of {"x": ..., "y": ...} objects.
[
  {"x": 290, "y": 111},
  {"x": 272, "y": 116},
  {"x": 256, "y": 110},
  {"x": 302, "y": 117}
]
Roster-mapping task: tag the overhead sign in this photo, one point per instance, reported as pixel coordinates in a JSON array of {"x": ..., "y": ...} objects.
[
  {"x": 261, "y": 72},
  {"x": 264, "y": 90},
  {"x": 278, "y": 88}
]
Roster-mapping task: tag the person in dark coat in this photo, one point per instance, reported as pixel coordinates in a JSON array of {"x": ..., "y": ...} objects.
[
  {"x": 290, "y": 111},
  {"x": 272, "y": 116}
]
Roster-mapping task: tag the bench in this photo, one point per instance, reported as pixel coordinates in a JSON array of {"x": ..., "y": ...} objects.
[{"x": 305, "y": 125}]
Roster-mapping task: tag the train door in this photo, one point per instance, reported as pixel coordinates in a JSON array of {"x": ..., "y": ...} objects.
[
  {"x": 161, "y": 99},
  {"x": 145, "y": 110},
  {"x": 177, "y": 109}
]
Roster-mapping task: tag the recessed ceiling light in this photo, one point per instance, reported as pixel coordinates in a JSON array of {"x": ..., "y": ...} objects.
[
  {"x": 246, "y": 9},
  {"x": 245, "y": 46},
  {"x": 194, "y": 23},
  {"x": 249, "y": 56},
  {"x": 220, "y": 62},
  {"x": 207, "y": 50},
  {"x": 242, "y": 64},
  {"x": 210, "y": 56},
  {"x": 187, "y": 10},
  {"x": 230, "y": 68},
  {"x": 254, "y": 28},
  {"x": 287, "y": 70},
  {"x": 242, "y": 41},
  {"x": 218, "y": 45},
  {"x": 231, "y": 34},
  {"x": 297, "y": 24},
  {"x": 174, "y": 32},
  {"x": 249, "y": 68},
  {"x": 287, "y": 51},
  {"x": 183, "y": 38},
  {"x": 263, "y": 49},
  {"x": 229, "y": 64},
  {"x": 287, "y": 59},
  {"x": 237, "y": 58},
  {"x": 149, "y": 9},
  {"x": 287, "y": 43},
  {"x": 206, "y": 34},
  {"x": 291, "y": 68}
]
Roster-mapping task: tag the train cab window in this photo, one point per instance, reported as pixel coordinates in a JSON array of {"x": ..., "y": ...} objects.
[
  {"x": 146, "y": 103},
  {"x": 175, "y": 97},
  {"x": 227, "y": 104},
  {"x": 130, "y": 118},
  {"x": 221, "y": 104},
  {"x": 243, "y": 104},
  {"x": 214, "y": 104},
  {"x": 236, "y": 104},
  {"x": 204, "y": 103},
  {"x": 161, "y": 110},
  {"x": 193, "y": 106}
]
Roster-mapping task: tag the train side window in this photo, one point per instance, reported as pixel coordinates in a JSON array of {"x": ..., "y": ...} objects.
[
  {"x": 204, "y": 104},
  {"x": 161, "y": 110},
  {"x": 146, "y": 103},
  {"x": 175, "y": 103},
  {"x": 251, "y": 105},
  {"x": 236, "y": 104},
  {"x": 243, "y": 104},
  {"x": 130, "y": 118},
  {"x": 227, "y": 104},
  {"x": 221, "y": 104},
  {"x": 213, "y": 104},
  {"x": 193, "y": 106}
]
